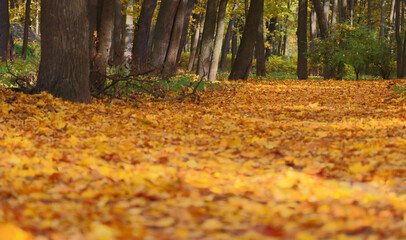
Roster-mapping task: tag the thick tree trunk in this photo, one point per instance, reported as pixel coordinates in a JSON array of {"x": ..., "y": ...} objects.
[
  {"x": 4, "y": 31},
  {"x": 241, "y": 66},
  {"x": 218, "y": 40},
  {"x": 64, "y": 67},
  {"x": 117, "y": 51},
  {"x": 169, "y": 67},
  {"x": 141, "y": 36},
  {"x": 209, "y": 29},
  {"x": 98, "y": 71},
  {"x": 260, "y": 48},
  {"x": 26, "y": 28},
  {"x": 302, "y": 41},
  {"x": 162, "y": 34}
]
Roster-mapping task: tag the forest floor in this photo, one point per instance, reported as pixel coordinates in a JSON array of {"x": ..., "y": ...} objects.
[{"x": 274, "y": 160}]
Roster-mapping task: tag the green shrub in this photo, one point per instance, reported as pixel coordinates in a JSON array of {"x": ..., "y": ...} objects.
[
  {"x": 281, "y": 65},
  {"x": 353, "y": 46}
]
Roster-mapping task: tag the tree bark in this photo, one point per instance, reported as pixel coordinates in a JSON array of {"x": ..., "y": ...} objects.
[
  {"x": 117, "y": 51},
  {"x": 4, "y": 31},
  {"x": 226, "y": 45},
  {"x": 26, "y": 28},
  {"x": 183, "y": 40},
  {"x": 162, "y": 34},
  {"x": 382, "y": 22},
  {"x": 141, "y": 36},
  {"x": 334, "y": 12},
  {"x": 209, "y": 29},
  {"x": 321, "y": 18},
  {"x": 369, "y": 15},
  {"x": 64, "y": 67},
  {"x": 241, "y": 66},
  {"x": 398, "y": 40},
  {"x": 98, "y": 71},
  {"x": 260, "y": 48},
  {"x": 169, "y": 67},
  {"x": 234, "y": 46},
  {"x": 326, "y": 10},
  {"x": 195, "y": 43},
  {"x": 302, "y": 41},
  {"x": 218, "y": 40}
]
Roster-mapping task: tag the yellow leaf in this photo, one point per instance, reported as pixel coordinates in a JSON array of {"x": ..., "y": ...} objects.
[
  {"x": 100, "y": 231},
  {"x": 164, "y": 222},
  {"x": 211, "y": 224},
  {"x": 9, "y": 231}
]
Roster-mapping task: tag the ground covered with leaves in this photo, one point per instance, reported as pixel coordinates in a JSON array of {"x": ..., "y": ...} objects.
[{"x": 275, "y": 160}]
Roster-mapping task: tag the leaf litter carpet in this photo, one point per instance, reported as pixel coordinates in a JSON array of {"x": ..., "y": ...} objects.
[{"x": 276, "y": 160}]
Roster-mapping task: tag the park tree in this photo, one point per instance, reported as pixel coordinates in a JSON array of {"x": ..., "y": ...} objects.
[
  {"x": 171, "y": 58},
  {"x": 4, "y": 31},
  {"x": 218, "y": 40},
  {"x": 207, "y": 38},
  {"x": 162, "y": 34},
  {"x": 141, "y": 36},
  {"x": 64, "y": 68},
  {"x": 104, "y": 30},
  {"x": 302, "y": 40},
  {"x": 242, "y": 63},
  {"x": 26, "y": 27}
]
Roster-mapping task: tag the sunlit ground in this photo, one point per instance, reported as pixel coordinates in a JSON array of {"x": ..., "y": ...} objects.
[{"x": 267, "y": 160}]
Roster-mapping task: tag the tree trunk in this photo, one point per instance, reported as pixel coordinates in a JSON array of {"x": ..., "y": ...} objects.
[
  {"x": 129, "y": 23},
  {"x": 64, "y": 67},
  {"x": 98, "y": 71},
  {"x": 226, "y": 45},
  {"x": 343, "y": 12},
  {"x": 321, "y": 19},
  {"x": 117, "y": 52},
  {"x": 382, "y": 22},
  {"x": 218, "y": 40},
  {"x": 392, "y": 11},
  {"x": 26, "y": 28},
  {"x": 174, "y": 44},
  {"x": 4, "y": 31},
  {"x": 326, "y": 10},
  {"x": 234, "y": 46},
  {"x": 241, "y": 66},
  {"x": 141, "y": 36},
  {"x": 195, "y": 43},
  {"x": 162, "y": 34},
  {"x": 302, "y": 41},
  {"x": 260, "y": 48},
  {"x": 369, "y": 15},
  {"x": 398, "y": 40},
  {"x": 183, "y": 40},
  {"x": 334, "y": 12},
  {"x": 209, "y": 29},
  {"x": 271, "y": 25}
]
